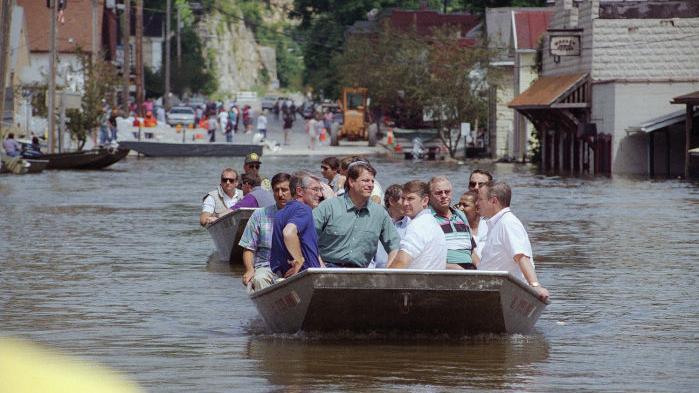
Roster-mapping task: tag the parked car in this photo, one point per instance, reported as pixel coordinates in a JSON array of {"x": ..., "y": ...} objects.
[
  {"x": 180, "y": 115},
  {"x": 268, "y": 102}
]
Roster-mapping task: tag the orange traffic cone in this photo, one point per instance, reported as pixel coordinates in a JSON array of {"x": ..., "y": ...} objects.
[{"x": 389, "y": 138}]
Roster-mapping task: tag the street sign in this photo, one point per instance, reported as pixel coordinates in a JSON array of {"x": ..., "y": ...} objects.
[
  {"x": 465, "y": 129},
  {"x": 564, "y": 45}
]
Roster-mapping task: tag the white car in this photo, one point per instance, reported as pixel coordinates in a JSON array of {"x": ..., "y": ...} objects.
[{"x": 180, "y": 115}]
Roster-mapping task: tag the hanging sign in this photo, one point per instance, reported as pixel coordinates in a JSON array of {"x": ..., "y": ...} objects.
[{"x": 564, "y": 45}]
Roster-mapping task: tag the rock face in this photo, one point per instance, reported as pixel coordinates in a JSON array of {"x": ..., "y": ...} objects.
[{"x": 240, "y": 63}]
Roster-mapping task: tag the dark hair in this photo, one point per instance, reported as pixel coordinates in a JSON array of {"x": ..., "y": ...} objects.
[
  {"x": 10, "y": 135},
  {"x": 280, "y": 177},
  {"x": 252, "y": 180},
  {"x": 482, "y": 172},
  {"x": 355, "y": 169},
  {"x": 345, "y": 161},
  {"x": 501, "y": 191},
  {"x": 417, "y": 187},
  {"x": 392, "y": 193},
  {"x": 332, "y": 162}
]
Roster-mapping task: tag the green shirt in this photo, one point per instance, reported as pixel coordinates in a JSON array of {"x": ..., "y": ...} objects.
[
  {"x": 460, "y": 243},
  {"x": 348, "y": 235}
]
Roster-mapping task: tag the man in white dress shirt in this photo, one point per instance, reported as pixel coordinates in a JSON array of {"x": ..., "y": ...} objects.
[
  {"x": 424, "y": 245},
  {"x": 507, "y": 247}
]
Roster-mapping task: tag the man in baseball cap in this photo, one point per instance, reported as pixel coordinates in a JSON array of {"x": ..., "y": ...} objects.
[{"x": 252, "y": 167}]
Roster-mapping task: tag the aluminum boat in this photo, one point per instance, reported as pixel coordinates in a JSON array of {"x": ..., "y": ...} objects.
[
  {"x": 387, "y": 300},
  {"x": 226, "y": 232}
]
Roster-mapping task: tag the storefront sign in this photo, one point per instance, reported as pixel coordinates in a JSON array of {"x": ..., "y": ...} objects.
[{"x": 564, "y": 45}]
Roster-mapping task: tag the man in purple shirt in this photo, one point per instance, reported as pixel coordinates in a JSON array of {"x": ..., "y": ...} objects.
[
  {"x": 254, "y": 194},
  {"x": 294, "y": 238}
]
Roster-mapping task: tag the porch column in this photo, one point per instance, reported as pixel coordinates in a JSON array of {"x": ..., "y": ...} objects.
[
  {"x": 689, "y": 120},
  {"x": 651, "y": 154}
]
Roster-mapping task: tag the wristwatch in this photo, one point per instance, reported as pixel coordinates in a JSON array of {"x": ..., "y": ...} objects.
[{"x": 535, "y": 284}]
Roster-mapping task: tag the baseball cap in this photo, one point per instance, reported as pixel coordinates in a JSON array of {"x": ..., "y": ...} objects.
[{"x": 252, "y": 157}]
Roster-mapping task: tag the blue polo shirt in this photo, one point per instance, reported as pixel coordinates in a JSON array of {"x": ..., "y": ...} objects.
[{"x": 301, "y": 215}]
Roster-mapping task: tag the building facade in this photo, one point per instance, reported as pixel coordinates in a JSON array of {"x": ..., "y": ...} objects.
[{"x": 609, "y": 66}]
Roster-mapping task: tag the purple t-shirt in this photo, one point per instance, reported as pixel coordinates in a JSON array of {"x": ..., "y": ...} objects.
[{"x": 300, "y": 215}]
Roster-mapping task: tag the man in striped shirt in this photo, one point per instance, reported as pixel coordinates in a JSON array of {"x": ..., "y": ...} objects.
[{"x": 454, "y": 224}]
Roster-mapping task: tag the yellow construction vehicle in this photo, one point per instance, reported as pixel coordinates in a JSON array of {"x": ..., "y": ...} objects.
[{"x": 355, "y": 124}]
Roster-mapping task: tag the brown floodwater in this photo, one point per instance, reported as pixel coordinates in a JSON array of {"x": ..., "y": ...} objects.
[{"x": 112, "y": 266}]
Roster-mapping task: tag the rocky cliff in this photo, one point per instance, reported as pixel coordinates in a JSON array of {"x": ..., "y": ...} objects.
[{"x": 239, "y": 61}]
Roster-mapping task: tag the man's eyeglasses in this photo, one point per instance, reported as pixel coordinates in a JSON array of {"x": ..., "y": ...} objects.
[
  {"x": 256, "y": 166},
  {"x": 316, "y": 189},
  {"x": 228, "y": 180},
  {"x": 473, "y": 184}
]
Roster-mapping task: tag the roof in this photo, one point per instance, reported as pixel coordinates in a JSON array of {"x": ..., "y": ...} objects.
[
  {"x": 77, "y": 26},
  {"x": 691, "y": 98},
  {"x": 660, "y": 122},
  {"x": 547, "y": 90},
  {"x": 529, "y": 26}
]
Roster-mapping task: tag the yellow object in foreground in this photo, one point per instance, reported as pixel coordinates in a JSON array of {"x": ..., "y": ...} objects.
[{"x": 29, "y": 368}]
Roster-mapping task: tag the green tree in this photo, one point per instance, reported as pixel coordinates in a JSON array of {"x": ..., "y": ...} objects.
[{"x": 436, "y": 75}]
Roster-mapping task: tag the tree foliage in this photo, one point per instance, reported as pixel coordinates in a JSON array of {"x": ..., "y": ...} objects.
[
  {"x": 100, "y": 81},
  {"x": 323, "y": 25},
  {"x": 410, "y": 75}
]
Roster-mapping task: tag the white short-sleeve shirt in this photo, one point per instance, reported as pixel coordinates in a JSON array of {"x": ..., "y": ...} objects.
[
  {"x": 482, "y": 235},
  {"x": 209, "y": 205},
  {"x": 424, "y": 241},
  {"x": 506, "y": 238}
]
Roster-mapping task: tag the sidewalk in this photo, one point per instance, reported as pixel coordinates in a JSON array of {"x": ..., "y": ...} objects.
[{"x": 298, "y": 140}]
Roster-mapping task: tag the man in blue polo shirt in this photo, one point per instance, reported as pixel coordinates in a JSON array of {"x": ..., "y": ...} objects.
[
  {"x": 454, "y": 224},
  {"x": 294, "y": 238}
]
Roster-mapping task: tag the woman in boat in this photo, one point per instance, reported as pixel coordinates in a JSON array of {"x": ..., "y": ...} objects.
[{"x": 467, "y": 204}]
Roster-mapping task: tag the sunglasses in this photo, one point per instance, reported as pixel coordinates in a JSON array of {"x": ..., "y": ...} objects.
[
  {"x": 477, "y": 183},
  {"x": 228, "y": 180},
  {"x": 256, "y": 166}
]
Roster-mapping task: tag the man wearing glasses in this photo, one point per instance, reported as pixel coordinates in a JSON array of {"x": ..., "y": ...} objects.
[
  {"x": 217, "y": 202},
  {"x": 478, "y": 179},
  {"x": 330, "y": 168},
  {"x": 294, "y": 238},
  {"x": 252, "y": 167}
]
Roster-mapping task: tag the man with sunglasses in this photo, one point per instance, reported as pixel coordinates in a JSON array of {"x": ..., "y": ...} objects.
[
  {"x": 251, "y": 166},
  {"x": 330, "y": 167},
  {"x": 454, "y": 224},
  {"x": 478, "y": 179},
  {"x": 218, "y": 202}
]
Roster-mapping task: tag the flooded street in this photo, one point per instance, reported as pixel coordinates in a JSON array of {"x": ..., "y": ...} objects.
[{"x": 112, "y": 266}]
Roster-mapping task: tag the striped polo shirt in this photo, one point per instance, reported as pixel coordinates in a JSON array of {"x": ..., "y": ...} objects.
[{"x": 459, "y": 239}]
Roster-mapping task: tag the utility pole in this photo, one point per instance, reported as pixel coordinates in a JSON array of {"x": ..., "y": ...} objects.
[
  {"x": 53, "y": 38},
  {"x": 166, "y": 94},
  {"x": 139, "y": 57},
  {"x": 126, "y": 67},
  {"x": 95, "y": 35},
  {"x": 179, "y": 40},
  {"x": 4, "y": 53}
]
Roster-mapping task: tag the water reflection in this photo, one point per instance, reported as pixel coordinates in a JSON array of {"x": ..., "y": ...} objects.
[{"x": 362, "y": 363}]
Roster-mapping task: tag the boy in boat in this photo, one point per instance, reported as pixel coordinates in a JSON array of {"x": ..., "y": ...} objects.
[
  {"x": 257, "y": 237},
  {"x": 424, "y": 245},
  {"x": 454, "y": 224},
  {"x": 294, "y": 239},
  {"x": 350, "y": 226},
  {"x": 217, "y": 202},
  {"x": 507, "y": 247}
]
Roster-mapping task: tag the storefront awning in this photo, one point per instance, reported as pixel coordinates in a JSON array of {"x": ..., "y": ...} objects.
[
  {"x": 562, "y": 91},
  {"x": 660, "y": 122}
]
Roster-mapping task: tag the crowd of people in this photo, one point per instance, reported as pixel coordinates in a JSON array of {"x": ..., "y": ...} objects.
[{"x": 343, "y": 219}]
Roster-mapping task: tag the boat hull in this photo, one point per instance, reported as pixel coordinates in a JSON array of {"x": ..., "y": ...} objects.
[
  {"x": 389, "y": 300},
  {"x": 162, "y": 149},
  {"x": 226, "y": 233},
  {"x": 85, "y": 159}
]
